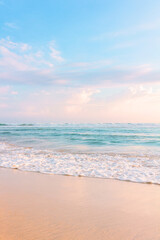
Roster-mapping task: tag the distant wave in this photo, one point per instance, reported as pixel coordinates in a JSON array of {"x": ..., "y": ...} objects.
[{"x": 26, "y": 124}]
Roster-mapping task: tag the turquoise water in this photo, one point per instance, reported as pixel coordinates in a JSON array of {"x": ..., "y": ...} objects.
[
  {"x": 96, "y": 150},
  {"x": 93, "y": 137}
]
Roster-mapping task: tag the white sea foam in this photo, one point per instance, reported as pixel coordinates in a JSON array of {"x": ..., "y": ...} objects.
[{"x": 132, "y": 167}]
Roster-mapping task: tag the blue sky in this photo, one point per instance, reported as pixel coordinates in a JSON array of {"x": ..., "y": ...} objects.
[{"x": 79, "y": 61}]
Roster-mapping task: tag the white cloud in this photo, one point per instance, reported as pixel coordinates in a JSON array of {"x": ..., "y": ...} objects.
[
  {"x": 25, "y": 47},
  {"x": 142, "y": 27},
  {"x": 11, "y": 25},
  {"x": 80, "y": 99},
  {"x": 19, "y": 63},
  {"x": 55, "y": 54},
  {"x": 140, "y": 90},
  {"x": 11, "y": 60},
  {"x": 6, "y": 42},
  {"x": 123, "y": 45},
  {"x": 139, "y": 103},
  {"x": 19, "y": 57},
  {"x": 90, "y": 65},
  {"x": 7, "y": 90},
  {"x": 14, "y": 93},
  {"x": 5, "y": 93}
]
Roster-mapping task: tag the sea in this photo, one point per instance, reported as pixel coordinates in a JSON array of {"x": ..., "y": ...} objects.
[{"x": 129, "y": 152}]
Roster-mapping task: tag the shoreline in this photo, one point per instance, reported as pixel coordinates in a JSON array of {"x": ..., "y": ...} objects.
[
  {"x": 79, "y": 176},
  {"x": 42, "y": 206},
  {"x": 122, "y": 152}
]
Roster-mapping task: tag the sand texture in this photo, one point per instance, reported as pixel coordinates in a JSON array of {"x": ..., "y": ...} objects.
[{"x": 36, "y": 206}]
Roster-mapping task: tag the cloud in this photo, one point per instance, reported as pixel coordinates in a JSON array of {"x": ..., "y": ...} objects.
[
  {"x": 6, "y": 42},
  {"x": 20, "y": 63},
  {"x": 5, "y": 93},
  {"x": 3, "y": 105},
  {"x": 14, "y": 93},
  {"x": 114, "y": 76},
  {"x": 139, "y": 104},
  {"x": 10, "y": 60},
  {"x": 123, "y": 45},
  {"x": 55, "y": 54},
  {"x": 136, "y": 103},
  {"x": 79, "y": 100},
  {"x": 4, "y": 90},
  {"x": 18, "y": 59},
  {"x": 7, "y": 90},
  {"x": 11, "y": 25},
  {"x": 140, "y": 90},
  {"x": 89, "y": 65},
  {"x": 150, "y": 26}
]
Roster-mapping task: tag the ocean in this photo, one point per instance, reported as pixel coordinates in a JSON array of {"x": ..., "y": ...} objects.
[{"x": 129, "y": 152}]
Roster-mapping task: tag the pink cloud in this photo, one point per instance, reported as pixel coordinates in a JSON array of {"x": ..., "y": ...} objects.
[{"x": 4, "y": 90}]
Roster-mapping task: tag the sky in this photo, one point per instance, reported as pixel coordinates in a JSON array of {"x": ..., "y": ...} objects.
[{"x": 80, "y": 61}]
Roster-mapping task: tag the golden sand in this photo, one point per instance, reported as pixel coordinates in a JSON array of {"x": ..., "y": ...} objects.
[{"x": 36, "y": 206}]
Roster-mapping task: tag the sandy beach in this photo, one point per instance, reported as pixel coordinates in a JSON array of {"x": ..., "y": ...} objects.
[
  {"x": 79, "y": 120},
  {"x": 39, "y": 206}
]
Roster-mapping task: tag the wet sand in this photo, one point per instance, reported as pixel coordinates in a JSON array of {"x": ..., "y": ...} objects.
[{"x": 36, "y": 206}]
